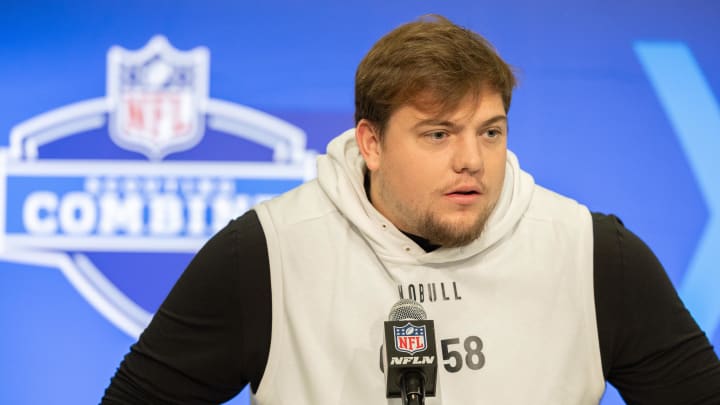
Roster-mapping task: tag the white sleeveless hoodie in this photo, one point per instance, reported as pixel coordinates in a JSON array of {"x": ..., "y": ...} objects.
[{"x": 514, "y": 311}]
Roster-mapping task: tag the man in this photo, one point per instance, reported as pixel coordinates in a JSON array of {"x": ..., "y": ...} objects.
[{"x": 535, "y": 299}]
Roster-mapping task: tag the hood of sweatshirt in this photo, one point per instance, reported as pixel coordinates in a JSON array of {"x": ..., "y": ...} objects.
[{"x": 341, "y": 173}]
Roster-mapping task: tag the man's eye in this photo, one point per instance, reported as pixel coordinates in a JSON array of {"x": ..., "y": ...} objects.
[
  {"x": 437, "y": 136},
  {"x": 493, "y": 133}
]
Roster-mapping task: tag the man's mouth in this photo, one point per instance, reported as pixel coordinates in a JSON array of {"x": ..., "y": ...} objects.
[
  {"x": 464, "y": 195},
  {"x": 465, "y": 190}
]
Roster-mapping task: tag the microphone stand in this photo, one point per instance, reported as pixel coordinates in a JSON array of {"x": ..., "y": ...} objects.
[{"x": 412, "y": 389}]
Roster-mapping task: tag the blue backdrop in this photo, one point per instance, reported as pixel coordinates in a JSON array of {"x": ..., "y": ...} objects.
[{"x": 617, "y": 107}]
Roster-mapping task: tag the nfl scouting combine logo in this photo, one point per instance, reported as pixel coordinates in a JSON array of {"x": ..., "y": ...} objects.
[
  {"x": 410, "y": 338},
  {"x": 119, "y": 191}
]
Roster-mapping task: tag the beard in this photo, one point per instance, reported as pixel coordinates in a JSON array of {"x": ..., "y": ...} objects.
[
  {"x": 427, "y": 224},
  {"x": 451, "y": 234},
  {"x": 430, "y": 226}
]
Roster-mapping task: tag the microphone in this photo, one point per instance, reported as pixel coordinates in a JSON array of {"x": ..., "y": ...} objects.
[{"x": 409, "y": 356}]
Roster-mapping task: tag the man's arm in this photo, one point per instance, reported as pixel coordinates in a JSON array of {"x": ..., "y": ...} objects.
[
  {"x": 211, "y": 335},
  {"x": 652, "y": 349}
]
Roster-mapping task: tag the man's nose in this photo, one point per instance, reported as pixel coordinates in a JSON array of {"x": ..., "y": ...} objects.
[{"x": 468, "y": 154}]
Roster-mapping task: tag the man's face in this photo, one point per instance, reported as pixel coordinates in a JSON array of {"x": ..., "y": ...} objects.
[{"x": 439, "y": 176}]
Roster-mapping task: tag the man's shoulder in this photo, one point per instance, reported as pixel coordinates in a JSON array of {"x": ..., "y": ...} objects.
[
  {"x": 300, "y": 204},
  {"x": 549, "y": 206}
]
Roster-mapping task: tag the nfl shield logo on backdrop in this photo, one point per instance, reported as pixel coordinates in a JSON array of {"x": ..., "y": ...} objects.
[
  {"x": 410, "y": 338},
  {"x": 158, "y": 97}
]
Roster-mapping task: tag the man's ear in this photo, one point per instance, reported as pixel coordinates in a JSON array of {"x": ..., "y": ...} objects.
[{"x": 368, "y": 141}]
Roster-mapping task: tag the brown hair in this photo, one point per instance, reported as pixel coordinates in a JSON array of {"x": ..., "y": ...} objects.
[{"x": 430, "y": 63}]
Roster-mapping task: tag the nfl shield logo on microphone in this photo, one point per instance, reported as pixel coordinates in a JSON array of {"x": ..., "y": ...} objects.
[{"x": 410, "y": 338}]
